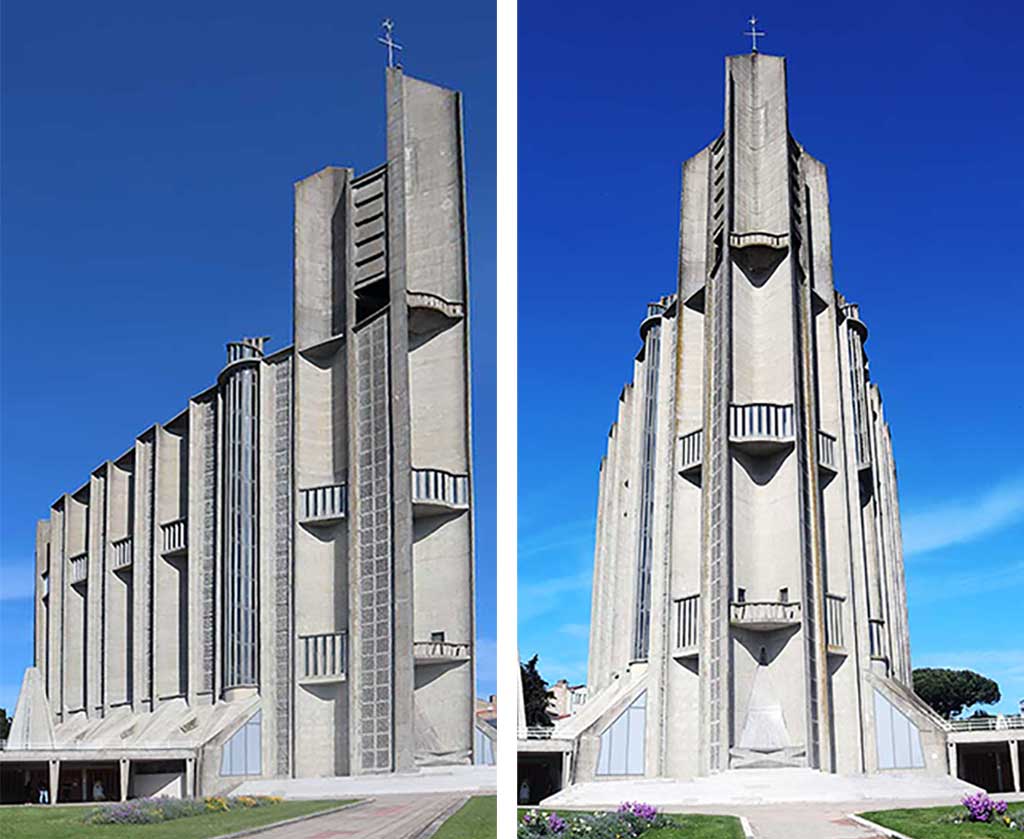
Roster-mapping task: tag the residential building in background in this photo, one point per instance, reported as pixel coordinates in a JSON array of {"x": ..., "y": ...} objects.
[{"x": 278, "y": 582}]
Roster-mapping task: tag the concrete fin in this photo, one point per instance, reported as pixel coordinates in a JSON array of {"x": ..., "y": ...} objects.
[{"x": 32, "y": 727}]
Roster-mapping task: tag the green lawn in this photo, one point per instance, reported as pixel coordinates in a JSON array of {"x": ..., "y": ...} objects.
[
  {"x": 684, "y": 826},
  {"x": 41, "y": 822},
  {"x": 476, "y": 819},
  {"x": 927, "y": 823}
]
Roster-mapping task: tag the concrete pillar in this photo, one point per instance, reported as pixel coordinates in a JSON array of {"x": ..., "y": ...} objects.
[
  {"x": 1015, "y": 765},
  {"x": 125, "y": 767},
  {"x": 85, "y": 788},
  {"x": 54, "y": 780},
  {"x": 953, "y": 766},
  {"x": 190, "y": 777}
]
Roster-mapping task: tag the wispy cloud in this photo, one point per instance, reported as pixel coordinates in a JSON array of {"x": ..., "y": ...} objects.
[
  {"x": 575, "y": 630},
  {"x": 548, "y": 593},
  {"x": 963, "y": 520},
  {"x": 16, "y": 580},
  {"x": 943, "y": 585},
  {"x": 560, "y": 536}
]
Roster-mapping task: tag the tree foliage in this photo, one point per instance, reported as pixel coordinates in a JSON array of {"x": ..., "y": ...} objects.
[
  {"x": 5, "y": 724},
  {"x": 950, "y": 691},
  {"x": 535, "y": 694}
]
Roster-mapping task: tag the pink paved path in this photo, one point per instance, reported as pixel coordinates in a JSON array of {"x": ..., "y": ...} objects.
[{"x": 387, "y": 817}]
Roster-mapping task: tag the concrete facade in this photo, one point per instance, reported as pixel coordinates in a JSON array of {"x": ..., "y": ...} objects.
[
  {"x": 279, "y": 581},
  {"x": 749, "y": 604}
]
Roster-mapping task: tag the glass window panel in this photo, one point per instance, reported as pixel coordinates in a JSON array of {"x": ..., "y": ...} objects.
[{"x": 883, "y": 732}]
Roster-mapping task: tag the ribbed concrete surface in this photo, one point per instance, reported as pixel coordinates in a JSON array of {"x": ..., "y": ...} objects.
[{"x": 387, "y": 817}]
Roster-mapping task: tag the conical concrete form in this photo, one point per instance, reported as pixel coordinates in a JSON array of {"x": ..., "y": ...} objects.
[{"x": 748, "y": 568}]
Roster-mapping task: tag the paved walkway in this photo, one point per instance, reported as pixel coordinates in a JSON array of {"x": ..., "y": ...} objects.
[
  {"x": 387, "y": 817},
  {"x": 817, "y": 820}
]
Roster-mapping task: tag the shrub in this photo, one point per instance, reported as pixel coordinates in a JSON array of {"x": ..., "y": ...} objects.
[
  {"x": 631, "y": 820},
  {"x": 163, "y": 809},
  {"x": 981, "y": 808}
]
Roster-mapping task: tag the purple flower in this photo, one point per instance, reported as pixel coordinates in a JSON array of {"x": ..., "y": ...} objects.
[
  {"x": 556, "y": 824},
  {"x": 647, "y": 812},
  {"x": 981, "y": 808}
]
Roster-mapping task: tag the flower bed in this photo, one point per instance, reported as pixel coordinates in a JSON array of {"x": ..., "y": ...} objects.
[
  {"x": 631, "y": 820},
  {"x": 981, "y": 808},
  {"x": 163, "y": 809}
]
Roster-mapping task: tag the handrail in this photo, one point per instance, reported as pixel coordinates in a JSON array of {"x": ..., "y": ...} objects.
[
  {"x": 441, "y": 649},
  {"x": 323, "y": 502},
  {"x": 79, "y": 568},
  {"x": 175, "y": 535},
  {"x": 121, "y": 552}
]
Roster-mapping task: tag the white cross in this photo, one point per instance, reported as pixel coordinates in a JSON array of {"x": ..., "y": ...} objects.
[
  {"x": 388, "y": 24},
  {"x": 753, "y": 33}
]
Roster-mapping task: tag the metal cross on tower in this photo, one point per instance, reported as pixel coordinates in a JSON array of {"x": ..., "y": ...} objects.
[
  {"x": 753, "y": 33},
  {"x": 388, "y": 24}
]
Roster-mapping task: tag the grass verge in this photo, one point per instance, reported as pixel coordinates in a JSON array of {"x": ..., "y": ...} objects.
[
  {"x": 41, "y": 822},
  {"x": 932, "y": 823},
  {"x": 476, "y": 819}
]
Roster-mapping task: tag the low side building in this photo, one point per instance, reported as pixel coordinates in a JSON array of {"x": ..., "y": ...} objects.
[{"x": 278, "y": 582}]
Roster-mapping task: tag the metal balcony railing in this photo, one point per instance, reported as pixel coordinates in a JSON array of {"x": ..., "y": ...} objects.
[
  {"x": 79, "y": 568},
  {"x": 761, "y": 422},
  {"x": 175, "y": 536},
  {"x": 834, "y": 622},
  {"x": 827, "y": 451},
  {"x": 121, "y": 553},
  {"x": 764, "y": 615},
  {"x": 1000, "y": 723},
  {"x": 323, "y": 503},
  {"x": 687, "y": 625},
  {"x": 324, "y": 657},
  {"x": 535, "y": 732},
  {"x": 438, "y": 651},
  {"x": 437, "y": 488},
  {"x": 691, "y": 450}
]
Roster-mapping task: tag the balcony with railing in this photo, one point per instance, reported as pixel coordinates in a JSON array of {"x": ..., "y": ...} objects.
[
  {"x": 761, "y": 428},
  {"x": 323, "y": 505},
  {"x": 435, "y": 492},
  {"x": 121, "y": 553},
  {"x": 440, "y": 652},
  {"x": 764, "y": 615},
  {"x": 323, "y": 657},
  {"x": 691, "y": 453},
  {"x": 79, "y": 568},
  {"x": 851, "y": 312},
  {"x": 174, "y": 535},
  {"x": 827, "y": 459},
  {"x": 877, "y": 640},
  {"x": 687, "y": 637},
  {"x": 429, "y": 313},
  {"x": 834, "y": 624}
]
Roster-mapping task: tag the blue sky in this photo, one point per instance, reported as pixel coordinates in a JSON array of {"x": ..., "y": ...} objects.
[
  {"x": 912, "y": 106},
  {"x": 149, "y": 152}
]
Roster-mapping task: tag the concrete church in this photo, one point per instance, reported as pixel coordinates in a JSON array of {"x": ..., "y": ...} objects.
[
  {"x": 278, "y": 582},
  {"x": 749, "y": 604}
]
